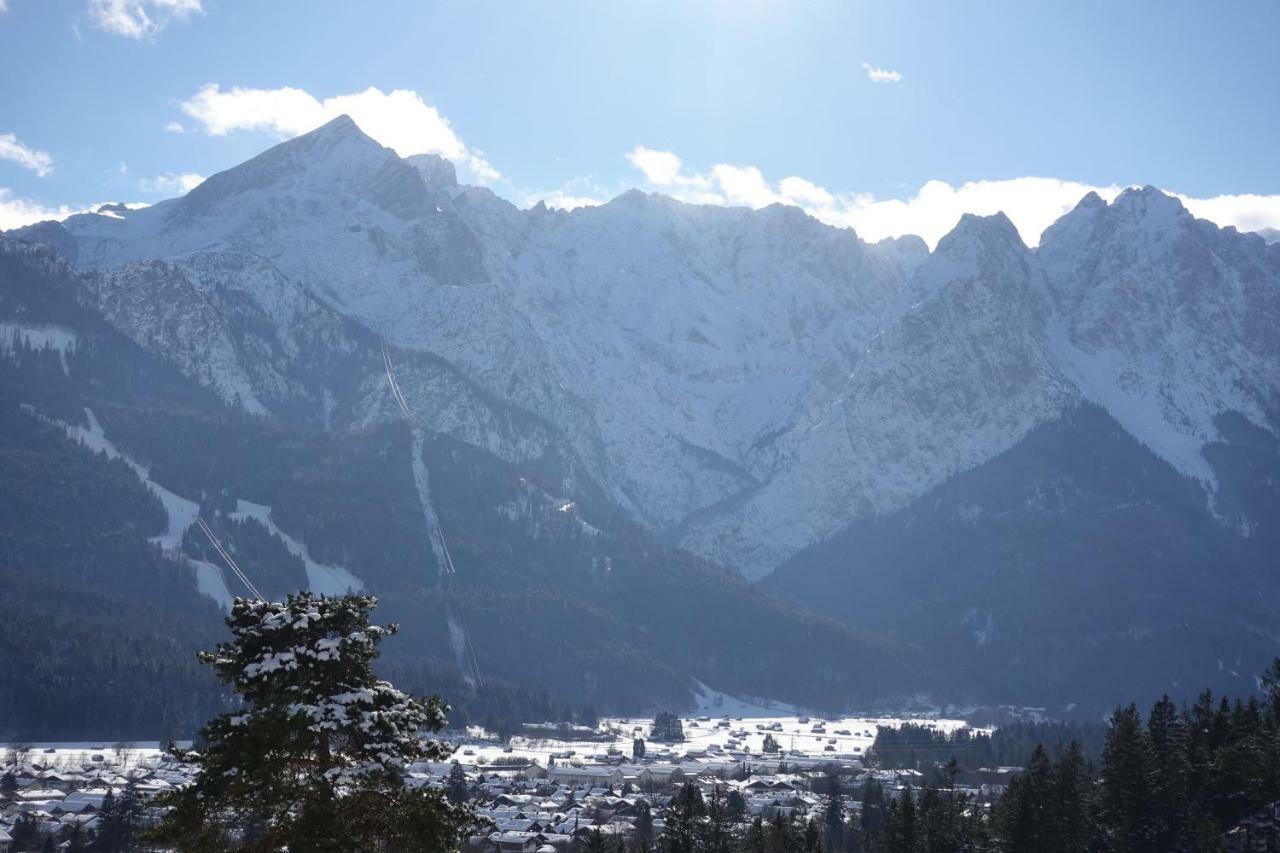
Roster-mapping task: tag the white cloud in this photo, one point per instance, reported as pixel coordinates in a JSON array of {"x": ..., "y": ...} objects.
[
  {"x": 663, "y": 169},
  {"x": 138, "y": 19},
  {"x": 805, "y": 193},
  {"x": 1247, "y": 212},
  {"x": 175, "y": 127},
  {"x": 564, "y": 201},
  {"x": 11, "y": 148},
  {"x": 17, "y": 212},
  {"x": 398, "y": 119},
  {"x": 881, "y": 75},
  {"x": 171, "y": 183},
  {"x": 1033, "y": 204},
  {"x": 4, "y": 5},
  {"x": 579, "y": 192}
]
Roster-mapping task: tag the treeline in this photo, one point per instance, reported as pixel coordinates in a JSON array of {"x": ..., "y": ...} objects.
[
  {"x": 1172, "y": 781},
  {"x": 921, "y": 747},
  {"x": 84, "y": 664},
  {"x": 1175, "y": 782},
  {"x": 263, "y": 556}
]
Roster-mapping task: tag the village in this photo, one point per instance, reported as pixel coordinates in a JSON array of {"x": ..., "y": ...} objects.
[{"x": 554, "y": 788}]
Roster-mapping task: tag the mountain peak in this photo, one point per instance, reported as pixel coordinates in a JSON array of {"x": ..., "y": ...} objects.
[
  {"x": 1148, "y": 201},
  {"x": 437, "y": 172},
  {"x": 990, "y": 230},
  {"x": 336, "y": 156},
  {"x": 343, "y": 125},
  {"x": 1090, "y": 201}
]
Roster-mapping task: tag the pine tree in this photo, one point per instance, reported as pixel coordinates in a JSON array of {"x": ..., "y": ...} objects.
[
  {"x": 1024, "y": 816},
  {"x": 1072, "y": 791},
  {"x": 667, "y": 727},
  {"x": 833, "y": 813},
  {"x": 812, "y": 841},
  {"x": 900, "y": 830},
  {"x": 76, "y": 841},
  {"x": 117, "y": 822},
  {"x": 1171, "y": 777},
  {"x": 25, "y": 833},
  {"x": 736, "y": 804},
  {"x": 1126, "y": 784},
  {"x": 874, "y": 814},
  {"x": 781, "y": 836},
  {"x": 644, "y": 825},
  {"x": 683, "y": 819},
  {"x": 458, "y": 793},
  {"x": 754, "y": 839},
  {"x": 317, "y": 755},
  {"x": 1270, "y": 684},
  {"x": 717, "y": 834}
]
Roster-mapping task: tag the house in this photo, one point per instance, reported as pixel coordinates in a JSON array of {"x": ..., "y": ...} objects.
[
  {"x": 636, "y": 774},
  {"x": 665, "y": 773},
  {"x": 516, "y": 842},
  {"x": 596, "y": 776},
  {"x": 6, "y": 842}
]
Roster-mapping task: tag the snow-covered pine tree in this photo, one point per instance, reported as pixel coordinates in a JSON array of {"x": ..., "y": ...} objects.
[{"x": 315, "y": 760}]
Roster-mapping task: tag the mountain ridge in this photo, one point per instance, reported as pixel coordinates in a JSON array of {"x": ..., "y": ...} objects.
[
  {"x": 473, "y": 279},
  {"x": 746, "y": 386}
]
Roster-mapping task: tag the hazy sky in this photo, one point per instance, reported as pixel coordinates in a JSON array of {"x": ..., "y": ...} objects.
[{"x": 888, "y": 116}]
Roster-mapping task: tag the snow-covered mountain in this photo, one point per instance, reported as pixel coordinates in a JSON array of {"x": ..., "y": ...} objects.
[{"x": 746, "y": 384}]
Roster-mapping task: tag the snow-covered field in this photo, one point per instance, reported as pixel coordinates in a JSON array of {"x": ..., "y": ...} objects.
[
  {"x": 708, "y": 737},
  {"x": 76, "y": 754}
]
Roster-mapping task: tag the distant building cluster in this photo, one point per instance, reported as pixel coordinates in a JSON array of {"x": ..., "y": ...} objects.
[
  {"x": 60, "y": 794},
  {"x": 528, "y": 800}
]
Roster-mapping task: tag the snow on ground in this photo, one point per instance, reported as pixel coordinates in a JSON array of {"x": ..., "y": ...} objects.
[
  {"x": 211, "y": 582},
  {"x": 1143, "y": 414},
  {"x": 705, "y": 737},
  {"x": 458, "y": 645},
  {"x": 182, "y": 513},
  {"x": 711, "y": 736},
  {"x": 422, "y": 482},
  {"x": 323, "y": 578},
  {"x": 39, "y": 337},
  {"x": 73, "y": 755},
  {"x": 709, "y": 701}
]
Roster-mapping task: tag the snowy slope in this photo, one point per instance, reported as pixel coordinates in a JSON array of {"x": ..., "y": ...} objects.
[
  {"x": 1165, "y": 321},
  {"x": 745, "y": 382},
  {"x": 953, "y": 379}
]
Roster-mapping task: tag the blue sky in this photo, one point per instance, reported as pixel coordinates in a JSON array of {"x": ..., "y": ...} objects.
[{"x": 879, "y": 115}]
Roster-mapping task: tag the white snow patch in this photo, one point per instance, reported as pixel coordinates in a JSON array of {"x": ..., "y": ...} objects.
[
  {"x": 708, "y": 701},
  {"x": 180, "y": 511},
  {"x": 458, "y": 644},
  {"x": 422, "y": 482},
  {"x": 1145, "y": 416},
  {"x": 210, "y": 582},
  {"x": 324, "y": 578}
]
